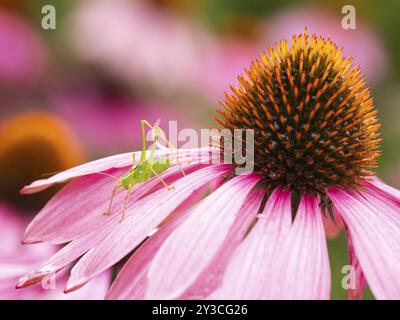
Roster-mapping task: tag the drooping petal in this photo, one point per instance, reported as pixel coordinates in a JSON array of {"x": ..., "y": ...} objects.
[
  {"x": 301, "y": 270},
  {"x": 201, "y": 155},
  {"x": 249, "y": 269},
  {"x": 357, "y": 284},
  {"x": 191, "y": 247},
  {"x": 333, "y": 228},
  {"x": 149, "y": 213},
  {"x": 80, "y": 206},
  {"x": 374, "y": 227}
]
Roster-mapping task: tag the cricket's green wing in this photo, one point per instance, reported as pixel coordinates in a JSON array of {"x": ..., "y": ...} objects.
[{"x": 161, "y": 165}]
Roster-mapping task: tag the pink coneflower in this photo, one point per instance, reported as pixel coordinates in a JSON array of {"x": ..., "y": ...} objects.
[{"x": 255, "y": 235}]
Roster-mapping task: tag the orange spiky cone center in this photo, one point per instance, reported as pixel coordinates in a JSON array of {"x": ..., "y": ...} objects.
[{"x": 314, "y": 120}]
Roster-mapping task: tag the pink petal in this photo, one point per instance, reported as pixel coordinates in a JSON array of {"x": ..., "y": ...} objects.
[
  {"x": 116, "y": 161},
  {"x": 374, "y": 227},
  {"x": 388, "y": 192},
  {"x": 149, "y": 213},
  {"x": 212, "y": 276},
  {"x": 131, "y": 281},
  {"x": 95, "y": 290},
  {"x": 79, "y": 246},
  {"x": 301, "y": 270},
  {"x": 248, "y": 271},
  {"x": 203, "y": 155},
  {"x": 63, "y": 257},
  {"x": 78, "y": 208},
  {"x": 188, "y": 251},
  {"x": 356, "y": 292}
]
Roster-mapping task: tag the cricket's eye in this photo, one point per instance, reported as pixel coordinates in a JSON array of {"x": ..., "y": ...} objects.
[
  {"x": 313, "y": 117},
  {"x": 142, "y": 169}
]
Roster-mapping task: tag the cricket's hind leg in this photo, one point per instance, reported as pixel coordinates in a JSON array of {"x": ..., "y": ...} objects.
[
  {"x": 108, "y": 211},
  {"x": 168, "y": 186},
  {"x": 128, "y": 191}
]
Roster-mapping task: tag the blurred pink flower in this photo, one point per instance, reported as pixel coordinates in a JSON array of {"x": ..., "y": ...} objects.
[
  {"x": 108, "y": 124},
  {"x": 363, "y": 43},
  {"x": 159, "y": 49},
  {"x": 15, "y": 260},
  {"x": 11, "y": 230},
  {"x": 23, "y": 54},
  {"x": 226, "y": 62},
  {"x": 191, "y": 249},
  {"x": 137, "y": 42}
]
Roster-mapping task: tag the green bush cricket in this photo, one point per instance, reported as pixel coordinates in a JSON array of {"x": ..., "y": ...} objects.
[{"x": 146, "y": 169}]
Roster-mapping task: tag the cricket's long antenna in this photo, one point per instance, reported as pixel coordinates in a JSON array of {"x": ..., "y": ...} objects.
[
  {"x": 108, "y": 175},
  {"x": 48, "y": 174},
  {"x": 158, "y": 144},
  {"x": 143, "y": 155},
  {"x": 153, "y": 146},
  {"x": 133, "y": 159}
]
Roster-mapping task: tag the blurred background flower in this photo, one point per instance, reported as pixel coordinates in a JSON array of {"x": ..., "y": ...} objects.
[
  {"x": 78, "y": 92},
  {"x": 156, "y": 48},
  {"x": 34, "y": 144},
  {"x": 23, "y": 53}
]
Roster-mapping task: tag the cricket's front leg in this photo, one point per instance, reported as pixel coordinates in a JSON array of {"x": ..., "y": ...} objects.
[
  {"x": 159, "y": 133},
  {"x": 133, "y": 159}
]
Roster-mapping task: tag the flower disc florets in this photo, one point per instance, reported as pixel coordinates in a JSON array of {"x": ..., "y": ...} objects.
[{"x": 314, "y": 120}]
